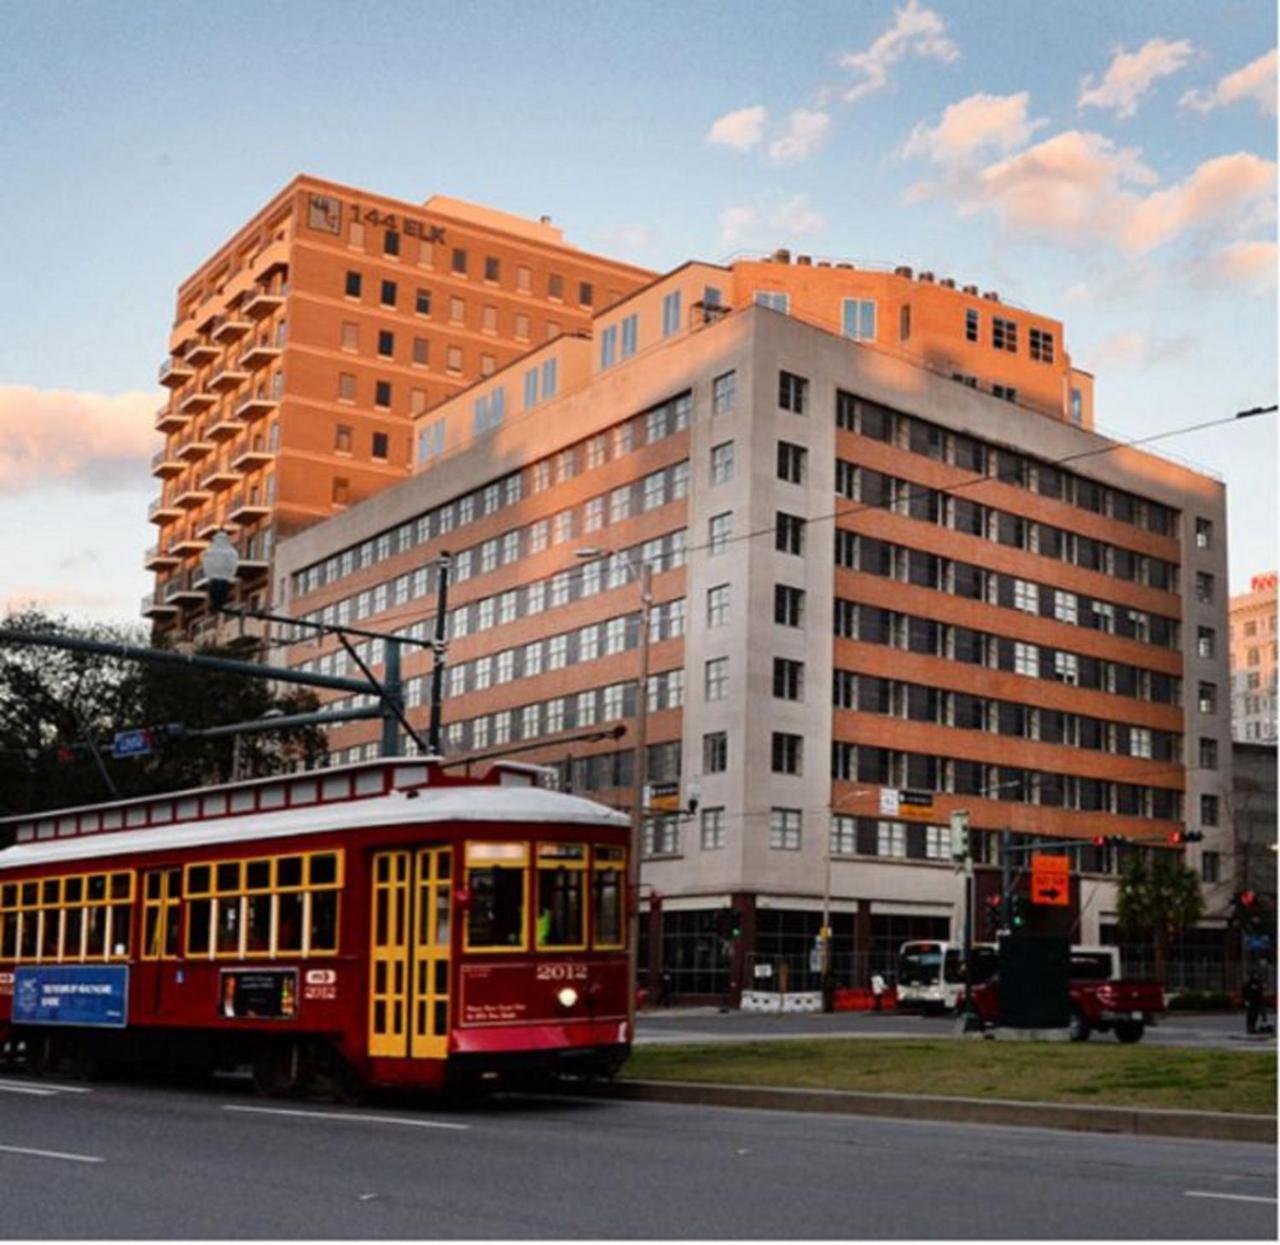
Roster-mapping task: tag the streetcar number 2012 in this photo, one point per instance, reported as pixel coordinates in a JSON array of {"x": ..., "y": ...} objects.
[{"x": 562, "y": 972}]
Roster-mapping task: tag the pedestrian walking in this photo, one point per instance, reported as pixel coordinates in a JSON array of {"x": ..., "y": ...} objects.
[
  {"x": 877, "y": 991},
  {"x": 1253, "y": 1000}
]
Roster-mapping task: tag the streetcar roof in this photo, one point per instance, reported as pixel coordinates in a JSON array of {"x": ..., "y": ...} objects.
[{"x": 480, "y": 803}]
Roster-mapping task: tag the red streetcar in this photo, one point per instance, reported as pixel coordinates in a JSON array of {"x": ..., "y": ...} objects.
[{"x": 375, "y": 924}]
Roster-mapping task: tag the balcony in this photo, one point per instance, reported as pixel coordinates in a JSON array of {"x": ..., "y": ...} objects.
[
  {"x": 230, "y": 329},
  {"x": 161, "y": 558},
  {"x": 261, "y": 303},
  {"x": 253, "y": 357},
  {"x": 169, "y": 419},
  {"x": 165, "y": 464},
  {"x": 194, "y": 447},
  {"x": 208, "y": 527},
  {"x": 174, "y": 373},
  {"x": 273, "y": 258},
  {"x": 163, "y": 510},
  {"x": 254, "y": 408},
  {"x": 183, "y": 590},
  {"x": 227, "y": 376},
  {"x": 246, "y": 509},
  {"x": 187, "y": 544},
  {"x": 195, "y": 400},
  {"x": 219, "y": 476},
  {"x": 199, "y": 353},
  {"x": 207, "y": 313},
  {"x": 151, "y": 608},
  {"x": 223, "y": 426},
  {"x": 190, "y": 495},
  {"x": 246, "y": 455},
  {"x": 251, "y": 564}
]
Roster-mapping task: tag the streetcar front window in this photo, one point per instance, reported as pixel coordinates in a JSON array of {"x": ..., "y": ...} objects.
[
  {"x": 561, "y": 895},
  {"x": 496, "y": 879}
]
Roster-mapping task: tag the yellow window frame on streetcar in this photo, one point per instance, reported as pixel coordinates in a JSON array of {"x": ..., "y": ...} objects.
[{"x": 70, "y": 919}]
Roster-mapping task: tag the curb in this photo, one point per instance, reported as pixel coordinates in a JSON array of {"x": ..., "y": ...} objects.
[{"x": 1144, "y": 1122}]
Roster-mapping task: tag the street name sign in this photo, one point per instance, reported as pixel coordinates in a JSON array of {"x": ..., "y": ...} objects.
[{"x": 131, "y": 744}]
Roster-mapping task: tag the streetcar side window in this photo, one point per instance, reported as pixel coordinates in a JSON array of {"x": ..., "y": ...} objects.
[
  {"x": 67, "y": 919},
  {"x": 606, "y": 898},
  {"x": 161, "y": 906},
  {"x": 496, "y": 877},
  {"x": 266, "y": 907},
  {"x": 562, "y": 900}
]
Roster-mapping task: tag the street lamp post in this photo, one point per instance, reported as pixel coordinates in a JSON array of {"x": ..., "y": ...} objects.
[{"x": 642, "y": 572}]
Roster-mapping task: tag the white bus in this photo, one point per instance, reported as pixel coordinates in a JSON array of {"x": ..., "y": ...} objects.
[{"x": 931, "y": 972}]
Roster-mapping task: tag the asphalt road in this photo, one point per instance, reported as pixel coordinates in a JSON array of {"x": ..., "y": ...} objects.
[
  {"x": 125, "y": 1160},
  {"x": 1212, "y": 1030}
]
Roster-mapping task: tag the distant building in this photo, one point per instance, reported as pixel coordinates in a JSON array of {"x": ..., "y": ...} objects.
[
  {"x": 1253, "y": 800},
  {"x": 1253, "y": 662}
]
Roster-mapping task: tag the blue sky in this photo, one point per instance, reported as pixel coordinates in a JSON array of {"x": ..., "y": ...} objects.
[{"x": 1115, "y": 168}]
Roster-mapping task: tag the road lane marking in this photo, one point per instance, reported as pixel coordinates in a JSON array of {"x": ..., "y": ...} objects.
[
  {"x": 27, "y": 1089},
  {"x": 45, "y": 1087},
  {"x": 1227, "y": 1197},
  {"x": 345, "y": 1115},
  {"x": 53, "y": 1154}
]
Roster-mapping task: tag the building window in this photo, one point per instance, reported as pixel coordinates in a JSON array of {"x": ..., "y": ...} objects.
[
  {"x": 609, "y": 346},
  {"x": 421, "y": 351},
  {"x": 792, "y": 461},
  {"x": 521, "y": 327},
  {"x": 1204, "y": 534},
  {"x": 391, "y": 243},
  {"x": 719, "y": 532},
  {"x": 379, "y": 446},
  {"x": 904, "y": 322},
  {"x": 555, "y": 286},
  {"x": 524, "y": 279},
  {"x": 382, "y": 393},
  {"x": 971, "y": 325},
  {"x": 723, "y": 392},
  {"x": 492, "y": 268},
  {"x": 715, "y": 752},
  {"x": 342, "y": 439},
  {"x": 784, "y": 829},
  {"x": 1077, "y": 407},
  {"x": 386, "y": 343},
  {"x": 457, "y": 310},
  {"x": 422, "y": 302},
  {"x": 354, "y": 283},
  {"x": 1006, "y": 393},
  {"x": 388, "y": 293},
  {"x": 671, "y": 313},
  {"x": 789, "y": 534},
  {"x": 775, "y": 300},
  {"x": 459, "y": 262},
  {"x": 787, "y": 753},
  {"x": 1026, "y": 596},
  {"x": 788, "y": 605},
  {"x": 630, "y": 335},
  {"x": 1208, "y": 810},
  {"x": 1205, "y": 642},
  {"x": 712, "y": 829},
  {"x": 859, "y": 319},
  {"x": 1207, "y": 698},
  {"x": 488, "y": 319},
  {"x": 1208, "y": 753},
  {"x": 350, "y": 336},
  {"x": 453, "y": 359},
  {"x": 793, "y": 392},
  {"x": 718, "y": 605},
  {"x": 722, "y": 463},
  {"x": 341, "y": 490},
  {"x": 1004, "y": 334},
  {"x": 346, "y": 387},
  {"x": 1041, "y": 345},
  {"x": 788, "y": 679},
  {"x": 1210, "y": 867},
  {"x": 717, "y": 679},
  {"x": 1204, "y": 587},
  {"x": 586, "y": 294}
]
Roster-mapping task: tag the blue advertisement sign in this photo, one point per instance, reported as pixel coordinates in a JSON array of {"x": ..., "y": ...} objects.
[{"x": 71, "y": 994}]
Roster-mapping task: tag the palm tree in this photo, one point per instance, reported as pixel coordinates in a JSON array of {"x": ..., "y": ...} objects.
[{"x": 1158, "y": 898}]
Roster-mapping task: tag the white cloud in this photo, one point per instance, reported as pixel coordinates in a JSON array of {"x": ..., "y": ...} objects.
[
  {"x": 915, "y": 31},
  {"x": 96, "y": 442},
  {"x": 804, "y": 135},
  {"x": 1247, "y": 266},
  {"x": 998, "y": 122},
  {"x": 740, "y": 130},
  {"x": 1130, "y": 348},
  {"x": 735, "y": 225},
  {"x": 1131, "y": 74},
  {"x": 1256, "y": 81},
  {"x": 796, "y": 218}
]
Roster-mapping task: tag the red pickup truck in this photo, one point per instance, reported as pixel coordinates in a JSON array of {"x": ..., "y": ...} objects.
[{"x": 1126, "y": 1007}]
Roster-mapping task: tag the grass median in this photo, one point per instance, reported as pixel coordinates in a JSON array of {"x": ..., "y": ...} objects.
[{"x": 1102, "y": 1074}]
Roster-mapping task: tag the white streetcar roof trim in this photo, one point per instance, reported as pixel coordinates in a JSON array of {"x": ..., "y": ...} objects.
[{"x": 486, "y": 804}]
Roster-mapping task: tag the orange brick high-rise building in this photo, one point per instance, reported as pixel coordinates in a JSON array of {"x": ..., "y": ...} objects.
[{"x": 303, "y": 349}]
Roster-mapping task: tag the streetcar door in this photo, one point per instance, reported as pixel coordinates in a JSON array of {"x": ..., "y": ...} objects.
[
  {"x": 389, "y": 955},
  {"x": 431, "y": 932}
]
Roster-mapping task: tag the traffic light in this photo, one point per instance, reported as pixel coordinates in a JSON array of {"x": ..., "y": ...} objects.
[
  {"x": 1179, "y": 837},
  {"x": 1247, "y": 911},
  {"x": 1108, "y": 840},
  {"x": 735, "y": 923},
  {"x": 993, "y": 918},
  {"x": 1017, "y": 917}
]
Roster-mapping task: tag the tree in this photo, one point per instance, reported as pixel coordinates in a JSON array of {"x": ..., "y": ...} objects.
[
  {"x": 1159, "y": 896},
  {"x": 53, "y": 702}
]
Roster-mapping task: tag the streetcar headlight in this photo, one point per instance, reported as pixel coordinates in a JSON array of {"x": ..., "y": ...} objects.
[{"x": 567, "y": 997}]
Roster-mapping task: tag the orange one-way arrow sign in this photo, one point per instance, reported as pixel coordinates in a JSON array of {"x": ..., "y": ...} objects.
[{"x": 1050, "y": 880}]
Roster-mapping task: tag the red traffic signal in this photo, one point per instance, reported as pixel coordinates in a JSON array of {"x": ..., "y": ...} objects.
[{"x": 1248, "y": 899}]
